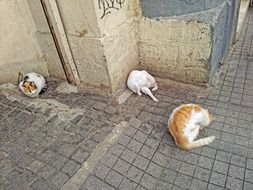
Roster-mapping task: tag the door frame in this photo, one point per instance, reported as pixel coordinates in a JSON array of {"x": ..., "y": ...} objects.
[{"x": 57, "y": 30}]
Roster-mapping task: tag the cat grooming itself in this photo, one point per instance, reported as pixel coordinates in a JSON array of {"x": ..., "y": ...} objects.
[
  {"x": 185, "y": 123},
  {"x": 140, "y": 82}
]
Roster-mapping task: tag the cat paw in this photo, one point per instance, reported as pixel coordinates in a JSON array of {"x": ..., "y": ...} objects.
[{"x": 155, "y": 88}]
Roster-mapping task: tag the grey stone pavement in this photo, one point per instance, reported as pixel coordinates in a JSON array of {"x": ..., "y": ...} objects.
[{"x": 48, "y": 143}]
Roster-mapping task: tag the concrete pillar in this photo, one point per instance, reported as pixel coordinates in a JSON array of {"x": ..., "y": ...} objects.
[{"x": 102, "y": 40}]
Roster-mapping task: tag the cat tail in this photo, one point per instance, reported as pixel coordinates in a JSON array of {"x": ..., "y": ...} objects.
[
  {"x": 146, "y": 90},
  {"x": 200, "y": 142}
]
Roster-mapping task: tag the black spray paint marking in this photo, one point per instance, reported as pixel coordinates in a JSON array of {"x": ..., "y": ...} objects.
[{"x": 108, "y": 5}]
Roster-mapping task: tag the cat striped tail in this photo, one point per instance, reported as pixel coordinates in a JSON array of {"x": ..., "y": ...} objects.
[{"x": 200, "y": 142}]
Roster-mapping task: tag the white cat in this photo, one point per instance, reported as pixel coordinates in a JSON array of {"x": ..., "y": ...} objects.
[
  {"x": 32, "y": 84},
  {"x": 141, "y": 81}
]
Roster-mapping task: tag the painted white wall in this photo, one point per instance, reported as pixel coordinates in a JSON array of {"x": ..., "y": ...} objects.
[{"x": 19, "y": 50}]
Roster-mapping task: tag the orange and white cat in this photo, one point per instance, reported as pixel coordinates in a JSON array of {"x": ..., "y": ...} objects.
[{"x": 185, "y": 123}]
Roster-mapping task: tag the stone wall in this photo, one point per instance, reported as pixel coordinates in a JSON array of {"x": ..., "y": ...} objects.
[
  {"x": 19, "y": 49},
  {"x": 45, "y": 39},
  {"x": 177, "y": 50},
  {"x": 185, "y": 40},
  {"x": 102, "y": 40},
  {"x": 180, "y": 40}
]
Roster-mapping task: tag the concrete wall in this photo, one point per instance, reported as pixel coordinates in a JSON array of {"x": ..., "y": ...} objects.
[
  {"x": 165, "y": 8},
  {"x": 175, "y": 50},
  {"x": 26, "y": 42},
  {"x": 118, "y": 31},
  {"x": 45, "y": 40},
  {"x": 185, "y": 40},
  {"x": 110, "y": 38},
  {"x": 19, "y": 49},
  {"x": 104, "y": 45}
]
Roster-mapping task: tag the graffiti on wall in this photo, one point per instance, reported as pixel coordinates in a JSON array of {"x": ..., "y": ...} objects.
[{"x": 107, "y": 6}]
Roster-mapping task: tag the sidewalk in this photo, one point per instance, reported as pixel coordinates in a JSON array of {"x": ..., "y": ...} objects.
[{"x": 82, "y": 141}]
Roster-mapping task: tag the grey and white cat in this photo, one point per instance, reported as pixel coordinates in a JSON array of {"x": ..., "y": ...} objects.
[
  {"x": 140, "y": 82},
  {"x": 32, "y": 84}
]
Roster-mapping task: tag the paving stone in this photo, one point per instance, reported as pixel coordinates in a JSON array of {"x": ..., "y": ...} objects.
[
  {"x": 127, "y": 185},
  {"x": 202, "y": 174},
  {"x": 147, "y": 152},
  {"x": 205, "y": 162},
  {"x": 154, "y": 170},
  {"x": 236, "y": 171},
  {"x": 148, "y": 181},
  {"x": 241, "y": 140},
  {"x": 6, "y": 166},
  {"x": 238, "y": 160},
  {"x": 173, "y": 164},
  {"x": 124, "y": 140},
  {"x": 226, "y": 146},
  {"x": 99, "y": 106},
  {"x": 187, "y": 169},
  {"x": 80, "y": 155},
  {"x": 247, "y": 186},
  {"x": 58, "y": 161},
  {"x": 146, "y": 128},
  {"x": 218, "y": 179},
  {"x": 183, "y": 181},
  {"x": 109, "y": 160},
  {"x": 141, "y": 162},
  {"x": 128, "y": 155},
  {"x": 233, "y": 183},
  {"x": 140, "y": 136},
  {"x": 163, "y": 186},
  {"x": 35, "y": 166},
  {"x": 121, "y": 167},
  {"x": 70, "y": 168},
  {"x": 130, "y": 131},
  {"x": 220, "y": 167},
  {"x": 228, "y": 137},
  {"x": 249, "y": 164},
  {"x": 168, "y": 175},
  {"x": 152, "y": 142},
  {"x": 134, "y": 174},
  {"x": 46, "y": 155},
  {"x": 223, "y": 156},
  {"x": 59, "y": 179},
  {"x": 21, "y": 176},
  {"x": 249, "y": 176},
  {"x": 40, "y": 184},
  {"x": 111, "y": 110},
  {"x": 101, "y": 171},
  {"x": 160, "y": 159},
  {"x": 198, "y": 185},
  {"x": 134, "y": 145},
  {"x": 114, "y": 178},
  {"x": 46, "y": 172},
  {"x": 93, "y": 183}
]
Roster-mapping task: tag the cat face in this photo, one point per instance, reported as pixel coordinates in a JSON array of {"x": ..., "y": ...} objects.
[{"x": 29, "y": 87}]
